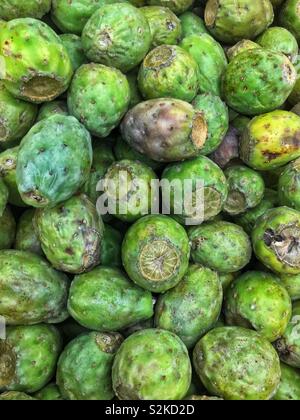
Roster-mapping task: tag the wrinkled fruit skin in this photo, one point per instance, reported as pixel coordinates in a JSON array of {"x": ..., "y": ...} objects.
[
  {"x": 7, "y": 229},
  {"x": 275, "y": 240},
  {"x": 54, "y": 161},
  {"x": 32, "y": 291},
  {"x": 156, "y": 253},
  {"x": 289, "y": 17},
  {"x": 228, "y": 150},
  {"x": 26, "y": 237},
  {"x": 52, "y": 108},
  {"x": 49, "y": 393},
  {"x": 192, "y": 24},
  {"x": 84, "y": 368},
  {"x": 289, "y": 186},
  {"x": 14, "y": 9},
  {"x": 111, "y": 254},
  {"x": 137, "y": 380},
  {"x": 74, "y": 47},
  {"x": 281, "y": 40},
  {"x": 105, "y": 300},
  {"x": 8, "y": 165},
  {"x": 289, "y": 388}
]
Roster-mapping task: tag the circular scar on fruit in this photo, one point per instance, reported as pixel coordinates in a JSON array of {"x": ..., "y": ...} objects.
[{"x": 285, "y": 243}]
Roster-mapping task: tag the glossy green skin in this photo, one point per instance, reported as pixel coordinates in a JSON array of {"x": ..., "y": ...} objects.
[
  {"x": 246, "y": 189},
  {"x": 73, "y": 45},
  {"x": 156, "y": 253},
  {"x": 16, "y": 118},
  {"x": 32, "y": 291},
  {"x": 237, "y": 364},
  {"x": 258, "y": 301},
  {"x": 193, "y": 307},
  {"x": 165, "y": 130},
  {"x": 84, "y": 368},
  {"x": 169, "y": 71},
  {"x": 3, "y": 197},
  {"x": 213, "y": 185},
  {"x": 289, "y": 388},
  {"x": 7, "y": 229},
  {"x": 289, "y": 186},
  {"x": 271, "y": 140},
  {"x": 292, "y": 285},
  {"x": 221, "y": 246},
  {"x": 49, "y": 62},
  {"x": 106, "y": 300},
  {"x": 99, "y": 97},
  {"x": 54, "y": 161},
  {"x": 288, "y": 346},
  {"x": 117, "y": 35},
  {"x": 15, "y": 396},
  {"x": 211, "y": 60},
  {"x": 215, "y": 112},
  {"x": 164, "y": 25},
  {"x": 14, "y": 9},
  {"x": 135, "y": 94},
  {"x": 31, "y": 353},
  {"x": 71, "y": 234},
  {"x": 52, "y": 108},
  {"x": 8, "y": 164},
  {"x": 159, "y": 367},
  {"x": 49, "y": 393},
  {"x": 134, "y": 192},
  {"x": 231, "y": 22},
  {"x": 289, "y": 17},
  {"x": 191, "y": 24},
  {"x": 111, "y": 254},
  {"x": 258, "y": 81},
  {"x": 26, "y": 237},
  {"x": 275, "y": 240},
  {"x": 177, "y": 6},
  {"x": 240, "y": 47},
  {"x": 281, "y": 40}
]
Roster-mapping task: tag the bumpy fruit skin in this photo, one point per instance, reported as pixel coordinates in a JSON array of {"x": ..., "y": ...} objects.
[
  {"x": 131, "y": 181},
  {"x": 169, "y": 71},
  {"x": 15, "y": 396},
  {"x": 240, "y": 47},
  {"x": 276, "y": 238},
  {"x": 292, "y": 285},
  {"x": 192, "y": 24},
  {"x": 177, "y": 6},
  {"x": 289, "y": 186},
  {"x": 71, "y": 234},
  {"x": 99, "y": 97},
  {"x": 138, "y": 380},
  {"x": 73, "y": 45},
  {"x": 16, "y": 118},
  {"x": 271, "y": 140},
  {"x": 54, "y": 161},
  {"x": 258, "y": 81},
  {"x": 221, "y": 246},
  {"x": 7, "y": 229},
  {"x": 3, "y": 197},
  {"x": 228, "y": 150},
  {"x": 111, "y": 254},
  {"x": 165, "y": 130},
  {"x": 211, "y": 59},
  {"x": 32, "y": 291},
  {"x": 164, "y": 25},
  {"x": 49, "y": 393},
  {"x": 156, "y": 253},
  {"x": 28, "y": 357},
  {"x": 281, "y": 40},
  {"x": 258, "y": 301},
  {"x": 237, "y": 364},
  {"x": 117, "y": 35},
  {"x": 14, "y": 9},
  {"x": 34, "y": 74},
  {"x": 289, "y": 17},
  {"x": 26, "y": 237},
  {"x": 105, "y": 300},
  {"x": 231, "y": 22},
  {"x": 8, "y": 164},
  {"x": 289, "y": 388},
  {"x": 213, "y": 189},
  {"x": 52, "y": 108},
  {"x": 193, "y": 307},
  {"x": 84, "y": 368}
]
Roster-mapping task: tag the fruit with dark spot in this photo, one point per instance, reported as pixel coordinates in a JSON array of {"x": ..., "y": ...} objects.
[
  {"x": 14, "y": 9},
  {"x": 52, "y": 108},
  {"x": 73, "y": 45},
  {"x": 289, "y": 388},
  {"x": 7, "y": 229},
  {"x": 49, "y": 393},
  {"x": 111, "y": 247},
  {"x": 228, "y": 150},
  {"x": 8, "y": 164},
  {"x": 281, "y": 40},
  {"x": 289, "y": 186},
  {"x": 289, "y": 17},
  {"x": 192, "y": 24},
  {"x": 240, "y": 47},
  {"x": 177, "y": 6}
]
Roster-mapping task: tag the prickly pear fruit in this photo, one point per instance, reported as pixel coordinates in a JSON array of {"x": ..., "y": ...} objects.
[
  {"x": 289, "y": 17},
  {"x": 192, "y": 24},
  {"x": 289, "y": 388},
  {"x": 280, "y": 40},
  {"x": 228, "y": 150},
  {"x": 111, "y": 247},
  {"x": 292, "y": 284},
  {"x": 49, "y": 393},
  {"x": 14, "y": 9},
  {"x": 289, "y": 185},
  {"x": 177, "y": 6},
  {"x": 16, "y": 396},
  {"x": 52, "y": 108},
  {"x": 7, "y": 229},
  {"x": 240, "y": 47},
  {"x": 8, "y": 164},
  {"x": 73, "y": 45},
  {"x": 3, "y": 196}
]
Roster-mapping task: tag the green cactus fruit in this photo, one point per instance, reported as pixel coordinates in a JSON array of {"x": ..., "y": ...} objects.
[
  {"x": 70, "y": 329},
  {"x": 292, "y": 285},
  {"x": 258, "y": 301},
  {"x": 240, "y": 123},
  {"x": 54, "y": 161},
  {"x": 52, "y": 108},
  {"x": 74, "y": 47},
  {"x": 117, "y": 35},
  {"x": 289, "y": 388},
  {"x": 165, "y": 130},
  {"x": 207, "y": 181},
  {"x": 230, "y": 22},
  {"x": 138, "y": 380},
  {"x": 226, "y": 279},
  {"x": 228, "y": 150},
  {"x": 106, "y": 300},
  {"x": 221, "y": 246},
  {"x": 111, "y": 255},
  {"x": 37, "y": 65},
  {"x": 246, "y": 189},
  {"x": 14, "y": 9},
  {"x": 169, "y": 71},
  {"x": 99, "y": 97},
  {"x": 237, "y": 364},
  {"x": 193, "y": 307},
  {"x": 84, "y": 368},
  {"x": 51, "y": 392},
  {"x": 271, "y": 140},
  {"x": 294, "y": 97},
  {"x": 280, "y": 40},
  {"x": 240, "y": 47},
  {"x": 8, "y": 164},
  {"x": 216, "y": 115},
  {"x": 32, "y": 291},
  {"x": 28, "y": 357},
  {"x": 3, "y": 197},
  {"x": 156, "y": 253},
  {"x": 177, "y": 6},
  {"x": 289, "y": 17},
  {"x": 192, "y": 24},
  {"x": 7, "y": 229},
  {"x": 135, "y": 94},
  {"x": 289, "y": 185},
  {"x": 15, "y": 396},
  {"x": 127, "y": 186},
  {"x": 252, "y": 75},
  {"x": 164, "y": 25},
  {"x": 17, "y": 117},
  {"x": 143, "y": 325},
  {"x": 26, "y": 237},
  {"x": 276, "y": 238},
  {"x": 71, "y": 234},
  {"x": 211, "y": 60}
]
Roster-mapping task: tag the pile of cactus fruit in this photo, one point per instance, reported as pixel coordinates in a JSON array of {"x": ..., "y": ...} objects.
[{"x": 140, "y": 303}]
